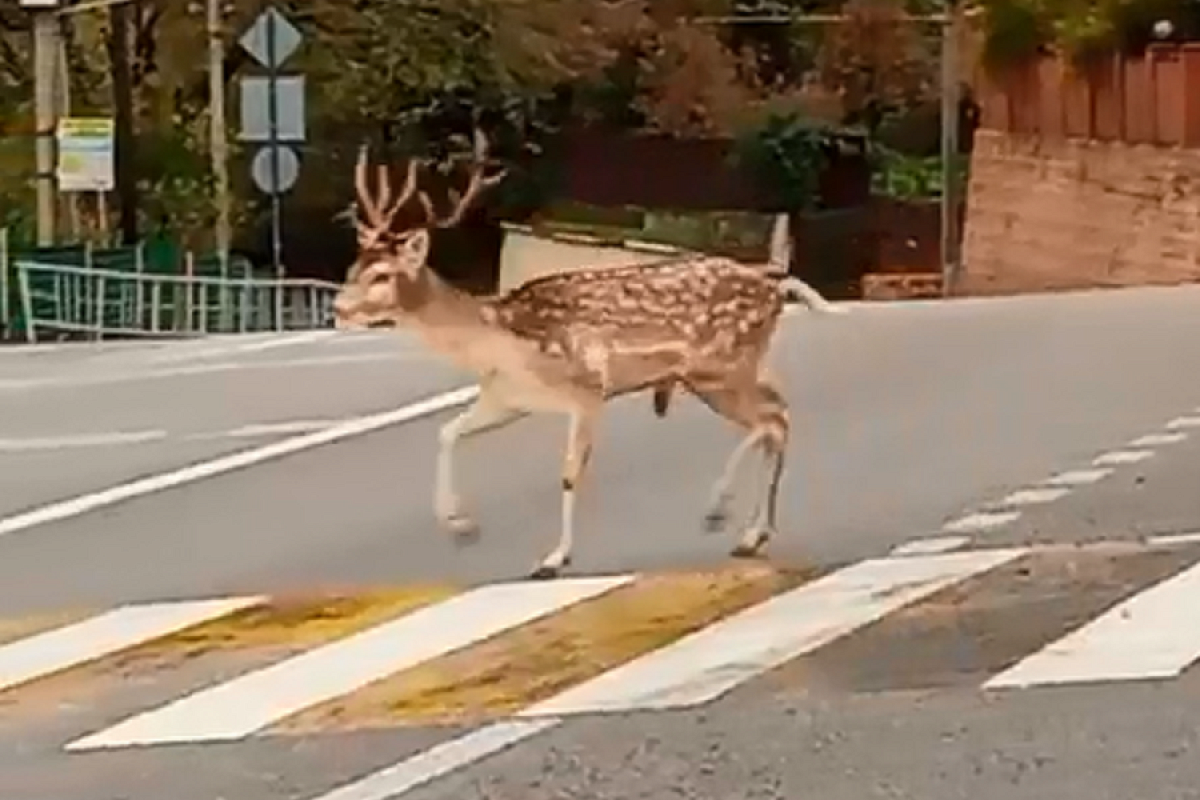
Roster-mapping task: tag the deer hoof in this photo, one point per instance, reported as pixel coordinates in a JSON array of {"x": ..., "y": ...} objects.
[
  {"x": 716, "y": 519},
  {"x": 718, "y": 514},
  {"x": 549, "y": 569},
  {"x": 461, "y": 526},
  {"x": 751, "y": 544}
]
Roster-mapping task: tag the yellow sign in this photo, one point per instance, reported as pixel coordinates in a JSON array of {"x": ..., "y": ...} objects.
[{"x": 85, "y": 154}]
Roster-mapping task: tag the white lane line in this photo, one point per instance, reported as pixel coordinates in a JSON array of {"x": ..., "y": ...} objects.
[
  {"x": 241, "y": 348},
  {"x": 240, "y": 707},
  {"x": 102, "y": 635},
  {"x": 106, "y": 378},
  {"x": 1035, "y": 496},
  {"x": 1078, "y": 477},
  {"x": 1151, "y": 635},
  {"x": 1168, "y": 539},
  {"x": 206, "y": 469},
  {"x": 80, "y": 440},
  {"x": 440, "y": 760},
  {"x": 930, "y": 545},
  {"x": 704, "y": 665},
  {"x": 275, "y": 428},
  {"x": 1187, "y": 421},
  {"x": 981, "y": 521},
  {"x": 1157, "y": 439},
  {"x": 1115, "y": 457}
]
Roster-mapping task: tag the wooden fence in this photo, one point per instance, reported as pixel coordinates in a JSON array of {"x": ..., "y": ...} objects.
[{"x": 1152, "y": 99}]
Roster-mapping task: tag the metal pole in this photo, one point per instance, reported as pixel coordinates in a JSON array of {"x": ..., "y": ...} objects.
[
  {"x": 218, "y": 142},
  {"x": 45, "y": 70},
  {"x": 273, "y": 144},
  {"x": 949, "y": 148}
]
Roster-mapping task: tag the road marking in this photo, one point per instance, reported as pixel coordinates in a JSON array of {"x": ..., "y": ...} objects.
[
  {"x": 929, "y": 546},
  {"x": 102, "y": 635},
  {"x": 276, "y": 428},
  {"x": 1168, "y": 539},
  {"x": 238, "y": 708},
  {"x": 981, "y": 521},
  {"x": 1151, "y": 635},
  {"x": 1156, "y": 439},
  {"x": 440, "y": 760},
  {"x": 1122, "y": 457},
  {"x": 80, "y": 440},
  {"x": 1078, "y": 477},
  {"x": 106, "y": 378},
  {"x": 206, "y": 469},
  {"x": 704, "y": 665},
  {"x": 1187, "y": 421},
  {"x": 174, "y": 354},
  {"x": 1035, "y": 496}
]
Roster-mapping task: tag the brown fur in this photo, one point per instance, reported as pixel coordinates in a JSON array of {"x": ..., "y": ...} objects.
[{"x": 569, "y": 342}]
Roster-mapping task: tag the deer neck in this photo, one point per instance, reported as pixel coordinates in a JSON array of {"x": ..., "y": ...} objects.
[{"x": 451, "y": 321}]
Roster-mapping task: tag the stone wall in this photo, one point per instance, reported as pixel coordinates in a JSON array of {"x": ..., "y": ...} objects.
[{"x": 1049, "y": 213}]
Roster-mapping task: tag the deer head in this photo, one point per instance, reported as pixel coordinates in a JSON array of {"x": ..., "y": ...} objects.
[{"x": 390, "y": 277}]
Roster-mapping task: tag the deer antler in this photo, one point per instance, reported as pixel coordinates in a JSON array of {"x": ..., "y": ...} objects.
[
  {"x": 475, "y": 185},
  {"x": 380, "y": 213}
]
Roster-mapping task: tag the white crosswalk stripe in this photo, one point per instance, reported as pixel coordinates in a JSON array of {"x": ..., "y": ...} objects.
[
  {"x": 1141, "y": 631},
  {"x": 240, "y": 707},
  {"x": 1151, "y": 635}
]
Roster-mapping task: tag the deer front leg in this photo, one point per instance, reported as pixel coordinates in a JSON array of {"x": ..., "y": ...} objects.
[
  {"x": 579, "y": 450},
  {"x": 485, "y": 414}
]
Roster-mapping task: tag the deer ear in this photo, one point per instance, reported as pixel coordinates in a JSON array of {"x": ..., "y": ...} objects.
[{"x": 416, "y": 246}]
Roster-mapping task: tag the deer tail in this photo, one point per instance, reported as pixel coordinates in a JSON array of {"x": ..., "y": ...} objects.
[{"x": 793, "y": 289}]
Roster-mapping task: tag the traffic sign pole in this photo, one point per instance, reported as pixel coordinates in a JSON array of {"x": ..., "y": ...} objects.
[
  {"x": 273, "y": 144},
  {"x": 270, "y": 40}
]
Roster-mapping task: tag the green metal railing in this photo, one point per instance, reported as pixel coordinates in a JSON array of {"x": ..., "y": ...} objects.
[
  {"x": 140, "y": 260},
  {"x": 94, "y": 303}
]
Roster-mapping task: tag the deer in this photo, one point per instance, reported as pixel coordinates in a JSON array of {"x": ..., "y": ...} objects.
[{"x": 568, "y": 343}]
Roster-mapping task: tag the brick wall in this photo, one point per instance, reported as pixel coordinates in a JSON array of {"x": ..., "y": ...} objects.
[{"x": 1048, "y": 214}]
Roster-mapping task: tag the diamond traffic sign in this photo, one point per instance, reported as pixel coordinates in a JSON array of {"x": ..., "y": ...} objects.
[{"x": 257, "y": 39}]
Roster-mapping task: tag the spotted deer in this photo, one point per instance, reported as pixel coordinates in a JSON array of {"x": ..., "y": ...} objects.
[{"x": 567, "y": 343}]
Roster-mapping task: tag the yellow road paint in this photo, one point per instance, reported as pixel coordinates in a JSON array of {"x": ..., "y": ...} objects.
[
  {"x": 534, "y": 661},
  {"x": 292, "y": 623},
  {"x": 260, "y": 634}
]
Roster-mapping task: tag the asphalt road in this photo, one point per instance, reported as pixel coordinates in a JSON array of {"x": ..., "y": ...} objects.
[{"x": 906, "y": 418}]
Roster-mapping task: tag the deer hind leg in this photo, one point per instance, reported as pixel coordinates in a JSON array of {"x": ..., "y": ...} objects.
[
  {"x": 774, "y": 419},
  {"x": 722, "y": 491},
  {"x": 762, "y": 411},
  {"x": 487, "y": 413},
  {"x": 579, "y": 450}
]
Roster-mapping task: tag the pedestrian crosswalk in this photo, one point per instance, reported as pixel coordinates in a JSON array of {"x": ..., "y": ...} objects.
[{"x": 230, "y": 669}]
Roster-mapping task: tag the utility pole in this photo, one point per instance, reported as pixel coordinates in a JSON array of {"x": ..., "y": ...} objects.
[
  {"x": 122, "y": 87},
  {"x": 218, "y": 142},
  {"x": 950, "y": 193},
  {"x": 46, "y": 44}
]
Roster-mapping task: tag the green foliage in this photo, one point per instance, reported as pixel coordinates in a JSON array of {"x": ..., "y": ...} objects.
[
  {"x": 787, "y": 156},
  {"x": 908, "y": 177},
  {"x": 1016, "y": 30}
]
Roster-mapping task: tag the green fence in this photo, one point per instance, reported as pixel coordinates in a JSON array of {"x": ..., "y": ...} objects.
[{"x": 153, "y": 257}]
